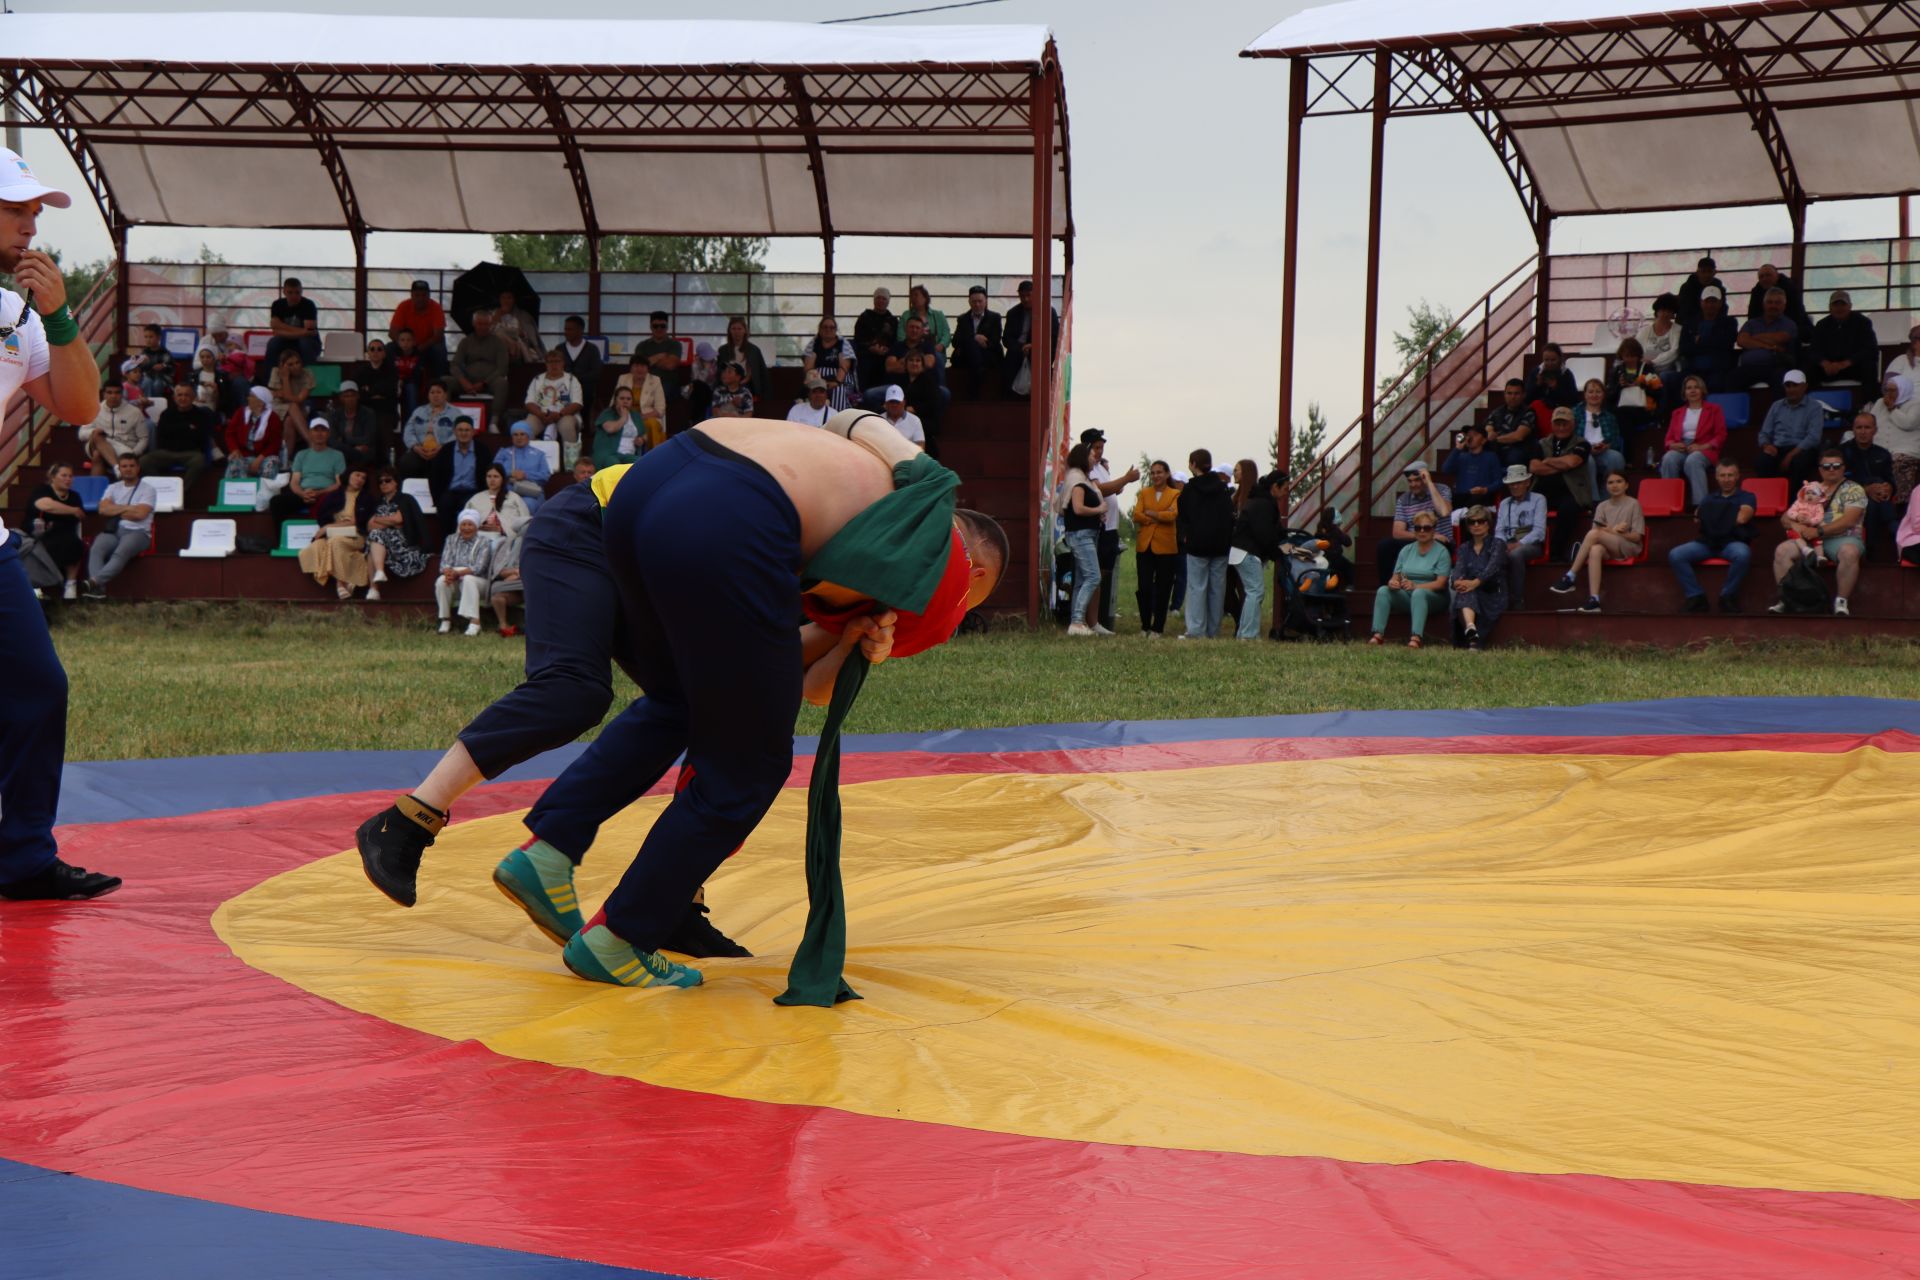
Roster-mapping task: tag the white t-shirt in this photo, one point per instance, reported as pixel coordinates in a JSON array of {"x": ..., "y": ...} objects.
[
  {"x": 550, "y": 395},
  {"x": 139, "y": 493},
  {"x": 23, "y": 353},
  {"x": 807, "y": 415},
  {"x": 1100, "y": 475},
  {"x": 909, "y": 426},
  {"x": 1689, "y": 425}
]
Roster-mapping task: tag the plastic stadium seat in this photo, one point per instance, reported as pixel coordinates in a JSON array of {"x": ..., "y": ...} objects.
[
  {"x": 1890, "y": 327},
  {"x": 551, "y": 448},
  {"x": 179, "y": 341},
  {"x": 256, "y": 341},
  {"x": 295, "y": 535},
  {"x": 338, "y": 346},
  {"x": 1770, "y": 497},
  {"x": 237, "y": 495},
  {"x": 1662, "y": 497},
  {"x": 1585, "y": 367},
  {"x": 91, "y": 489},
  {"x": 1737, "y": 407},
  {"x": 1838, "y": 399},
  {"x": 169, "y": 493},
  {"x": 422, "y": 494},
  {"x": 211, "y": 540},
  {"x": 1639, "y": 557}
]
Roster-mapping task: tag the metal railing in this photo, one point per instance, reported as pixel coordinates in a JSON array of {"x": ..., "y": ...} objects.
[{"x": 25, "y": 425}]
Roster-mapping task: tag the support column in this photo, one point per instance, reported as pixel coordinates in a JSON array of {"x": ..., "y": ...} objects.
[
  {"x": 1382, "y": 87},
  {"x": 1797, "y": 212},
  {"x": 593, "y": 286},
  {"x": 360, "y": 281},
  {"x": 1041, "y": 396},
  {"x": 1542, "y": 278},
  {"x": 1290, "y": 257},
  {"x": 122, "y": 289},
  {"x": 829, "y": 297}
]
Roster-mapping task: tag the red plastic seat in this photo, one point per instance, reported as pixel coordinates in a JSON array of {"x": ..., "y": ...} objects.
[
  {"x": 1770, "y": 497},
  {"x": 1660, "y": 497},
  {"x": 1639, "y": 557}
]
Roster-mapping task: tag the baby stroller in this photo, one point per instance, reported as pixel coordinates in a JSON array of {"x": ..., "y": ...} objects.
[{"x": 1314, "y": 604}]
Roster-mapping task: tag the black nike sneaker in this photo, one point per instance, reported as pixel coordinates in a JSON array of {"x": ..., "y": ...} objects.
[
  {"x": 695, "y": 936},
  {"x": 392, "y": 843},
  {"x": 61, "y": 882}
]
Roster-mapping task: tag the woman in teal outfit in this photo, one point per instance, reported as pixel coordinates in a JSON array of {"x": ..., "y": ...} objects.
[{"x": 1418, "y": 584}]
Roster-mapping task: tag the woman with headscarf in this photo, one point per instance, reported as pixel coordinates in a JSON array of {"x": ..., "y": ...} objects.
[
  {"x": 253, "y": 437},
  {"x": 1907, "y": 363},
  {"x": 1898, "y": 414}
]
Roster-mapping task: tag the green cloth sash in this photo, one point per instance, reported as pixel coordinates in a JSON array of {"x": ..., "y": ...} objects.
[
  {"x": 814, "y": 977},
  {"x": 896, "y": 550}
]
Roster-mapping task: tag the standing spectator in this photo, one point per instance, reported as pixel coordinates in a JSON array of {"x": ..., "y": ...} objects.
[
  {"x": 662, "y": 352},
  {"x": 895, "y": 412},
  {"x": 1660, "y": 339},
  {"x": 339, "y": 553},
  {"x": 732, "y": 398},
  {"x": 1511, "y": 426},
  {"x": 1109, "y": 487},
  {"x": 356, "y": 432},
  {"x": 295, "y": 322},
  {"x": 128, "y": 502},
  {"x": 1707, "y": 342},
  {"x": 582, "y": 360},
  {"x": 753, "y": 362},
  {"x": 920, "y": 306},
  {"x": 1897, "y": 413},
  {"x": 1846, "y": 508},
  {"x": 1256, "y": 535},
  {"x": 830, "y": 357},
  {"x": 1598, "y": 427},
  {"x": 426, "y": 320},
  {"x": 1478, "y": 580},
  {"x": 379, "y": 381},
  {"x": 976, "y": 341},
  {"x": 555, "y": 403},
  {"x": 1693, "y": 290},
  {"x": 254, "y": 438},
  {"x": 395, "y": 532},
  {"x": 1424, "y": 493},
  {"x": 292, "y": 384},
  {"x": 1015, "y": 367},
  {"x": 618, "y": 436},
  {"x": 1473, "y": 471},
  {"x": 316, "y": 474},
  {"x": 1871, "y": 467},
  {"x": 151, "y": 366},
  {"x": 1633, "y": 391},
  {"x": 1156, "y": 545},
  {"x": 526, "y": 467},
  {"x": 1771, "y": 277},
  {"x": 1619, "y": 531},
  {"x": 1560, "y": 475},
  {"x": 1844, "y": 346},
  {"x": 518, "y": 329},
  {"x": 1204, "y": 520},
  {"x": 1418, "y": 582},
  {"x": 1725, "y": 519},
  {"x": 1791, "y": 435},
  {"x": 649, "y": 399},
  {"x": 1695, "y": 435},
  {"x": 480, "y": 364},
  {"x": 428, "y": 430},
  {"x": 874, "y": 334},
  {"x": 57, "y": 513},
  {"x": 1521, "y": 525},
  {"x": 1082, "y": 518},
  {"x": 1767, "y": 342},
  {"x": 459, "y": 469},
  {"x": 1552, "y": 384},
  {"x": 466, "y": 559},
  {"x": 118, "y": 429},
  {"x": 813, "y": 410},
  {"x": 182, "y": 439}
]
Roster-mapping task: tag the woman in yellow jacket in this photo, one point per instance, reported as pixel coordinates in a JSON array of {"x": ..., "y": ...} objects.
[{"x": 1156, "y": 547}]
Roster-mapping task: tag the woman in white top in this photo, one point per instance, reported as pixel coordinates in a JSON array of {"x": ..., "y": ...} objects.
[
  {"x": 1907, "y": 363},
  {"x": 1897, "y": 412},
  {"x": 1659, "y": 338},
  {"x": 503, "y": 515}
]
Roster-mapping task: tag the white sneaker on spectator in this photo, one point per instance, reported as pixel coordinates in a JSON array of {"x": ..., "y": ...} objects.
[
  {"x": 1079, "y": 629},
  {"x": 71, "y": 591},
  {"x": 473, "y": 628},
  {"x": 373, "y": 593},
  {"x": 379, "y": 575},
  {"x": 446, "y": 625},
  {"x": 1100, "y": 630},
  {"x": 1778, "y": 606},
  {"x": 1840, "y": 609}
]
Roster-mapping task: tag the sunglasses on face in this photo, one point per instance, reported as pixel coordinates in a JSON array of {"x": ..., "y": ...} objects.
[
  {"x": 1423, "y": 528},
  {"x": 1479, "y": 521},
  {"x": 1831, "y": 466}
]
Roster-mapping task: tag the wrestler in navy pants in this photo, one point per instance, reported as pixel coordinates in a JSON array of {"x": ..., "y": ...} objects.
[
  {"x": 704, "y": 547},
  {"x": 33, "y": 724}
]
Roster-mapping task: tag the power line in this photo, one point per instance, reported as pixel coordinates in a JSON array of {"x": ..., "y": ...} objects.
[{"x": 901, "y": 13}]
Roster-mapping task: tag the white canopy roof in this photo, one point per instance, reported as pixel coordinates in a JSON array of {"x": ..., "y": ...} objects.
[{"x": 476, "y": 124}]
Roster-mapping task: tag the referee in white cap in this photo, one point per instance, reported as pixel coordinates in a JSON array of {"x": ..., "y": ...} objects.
[{"x": 42, "y": 355}]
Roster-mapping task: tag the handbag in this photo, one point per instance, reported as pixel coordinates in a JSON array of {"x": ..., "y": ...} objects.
[
  {"x": 1023, "y": 380},
  {"x": 1803, "y": 590}
]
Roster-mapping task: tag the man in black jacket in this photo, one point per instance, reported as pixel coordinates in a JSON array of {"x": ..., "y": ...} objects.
[
  {"x": 1017, "y": 335},
  {"x": 1512, "y": 425},
  {"x": 1870, "y": 466},
  {"x": 458, "y": 472},
  {"x": 874, "y": 334},
  {"x": 976, "y": 341},
  {"x": 1845, "y": 348},
  {"x": 181, "y": 438},
  {"x": 1205, "y": 525},
  {"x": 1771, "y": 277},
  {"x": 1704, "y": 277}
]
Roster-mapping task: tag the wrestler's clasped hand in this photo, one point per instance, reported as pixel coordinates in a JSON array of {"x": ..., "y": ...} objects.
[{"x": 874, "y": 632}]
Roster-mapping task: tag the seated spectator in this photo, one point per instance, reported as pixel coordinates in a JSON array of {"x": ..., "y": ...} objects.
[
  {"x": 428, "y": 430},
  {"x": 295, "y": 322},
  {"x": 231, "y": 355},
  {"x": 1417, "y": 583},
  {"x": 1478, "y": 581},
  {"x": 1907, "y": 363},
  {"x": 662, "y": 352},
  {"x": 583, "y": 469},
  {"x": 649, "y": 399},
  {"x": 182, "y": 439},
  {"x": 732, "y": 398},
  {"x": 119, "y": 428},
  {"x": 1695, "y": 436},
  {"x": 1906, "y": 538},
  {"x": 1512, "y": 425},
  {"x": 582, "y": 359},
  {"x": 518, "y": 328},
  {"x": 1258, "y": 522},
  {"x": 1473, "y": 471},
  {"x": 1559, "y": 470},
  {"x": 1792, "y": 433},
  {"x": 831, "y": 358},
  {"x": 814, "y": 409},
  {"x": 1521, "y": 524},
  {"x": 480, "y": 364},
  {"x": 1619, "y": 531},
  {"x": 1659, "y": 340},
  {"x": 1634, "y": 390},
  {"x": 379, "y": 381},
  {"x": 928, "y": 396},
  {"x": 213, "y": 390},
  {"x": 618, "y": 436},
  {"x": 57, "y": 513},
  {"x": 1692, "y": 290},
  {"x": 1725, "y": 526},
  {"x": 874, "y": 334},
  {"x": 291, "y": 384},
  {"x": 395, "y": 532},
  {"x": 894, "y": 409},
  {"x": 976, "y": 341},
  {"x": 1017, "y": 332},
  {"x": 466, "y": 561},
  {"x": 1593, "y": 423},
  {"x": 1839, "y": 533},
  {"x": 128, "y": 503},
  {"x": 753, "y": 362},
  {"x": 1845, "y": 349},
  {"x": 254, "y": 438},
  {"x": 1203, "y": 522},
  {"x": 920, "y": 307},
  {"x": 1707, "y": 343},
  {"x": 423, "y": 318},
  {"x": 555, "y": 404},
  {"x": 1552, "y": 384},
  {"x": 459, "y": 469},
  {"x": 1767, "y": 343},
  {"x": 150, "y": 366},
  {"x": 1897, "y": 414},
  {"x": 1771, "y": 277},
  {"x": 339, "y": 554},
  {"x": 356, "y": 432},
  {"x": 1082, "y": 515},
  {"x": 527, "y": 468},
  {"x": 314, "y": 475},
  {"x": 1424, "y": 494},
  {"x": 503, "y": 518},
  {"x": 919, "y": 341},
  {"x": 1871, "y": 467}
]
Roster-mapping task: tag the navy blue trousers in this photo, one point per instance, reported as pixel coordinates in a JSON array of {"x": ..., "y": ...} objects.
[
  {"x": 33, "y": 723},
  {"x": 704, "y": 547}
]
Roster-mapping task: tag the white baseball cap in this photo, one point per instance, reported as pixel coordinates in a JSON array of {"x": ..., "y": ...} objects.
[
  {"x": 896, "y": 394},
  {"x": 17, "y": 183}
]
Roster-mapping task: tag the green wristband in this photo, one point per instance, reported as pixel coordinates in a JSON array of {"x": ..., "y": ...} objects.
[{"x": 61, "y": 327}]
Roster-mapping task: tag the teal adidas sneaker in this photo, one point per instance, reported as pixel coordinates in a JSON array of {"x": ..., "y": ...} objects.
[
  {"x": 597, "y": 954},
  {"x": 539, "y": 880}
]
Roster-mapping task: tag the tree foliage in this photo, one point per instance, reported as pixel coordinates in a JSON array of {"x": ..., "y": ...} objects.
[
  {"x": 633, "y": 253},
  {"x": 1426, "y": 325},
  {"x": 1308, "y": 444}
]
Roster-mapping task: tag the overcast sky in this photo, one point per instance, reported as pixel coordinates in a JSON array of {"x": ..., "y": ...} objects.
[{"x": 1178, "y": 151}]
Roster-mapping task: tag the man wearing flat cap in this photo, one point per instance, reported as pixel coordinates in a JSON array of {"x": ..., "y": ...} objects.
[{"x": 1844, "y": 347}]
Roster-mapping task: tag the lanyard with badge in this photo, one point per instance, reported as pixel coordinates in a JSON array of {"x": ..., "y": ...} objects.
[{"x": 8, "y": 330}]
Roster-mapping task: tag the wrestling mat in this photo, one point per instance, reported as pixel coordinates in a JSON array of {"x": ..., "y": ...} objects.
[{"x": 1616, "y": 991}]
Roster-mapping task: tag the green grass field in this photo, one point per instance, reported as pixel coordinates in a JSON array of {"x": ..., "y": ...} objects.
[{"x": 173, "y": 680}]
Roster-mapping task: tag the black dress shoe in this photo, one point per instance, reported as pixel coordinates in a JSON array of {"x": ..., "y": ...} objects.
[
  {"x": 1729, "y": 605},
  {"x": 1695, "y": 604},
  {"x": 695, "y": 936},
  {"x": 61, "y": 882},
  {"x": 392, "y": 843}
]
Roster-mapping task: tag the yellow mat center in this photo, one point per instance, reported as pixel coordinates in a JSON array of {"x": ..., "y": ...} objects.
[{"x": 1698, "y": 967}]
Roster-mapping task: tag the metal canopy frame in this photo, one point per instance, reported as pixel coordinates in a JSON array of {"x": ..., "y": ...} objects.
[{"x": 1631, "y": 69}]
